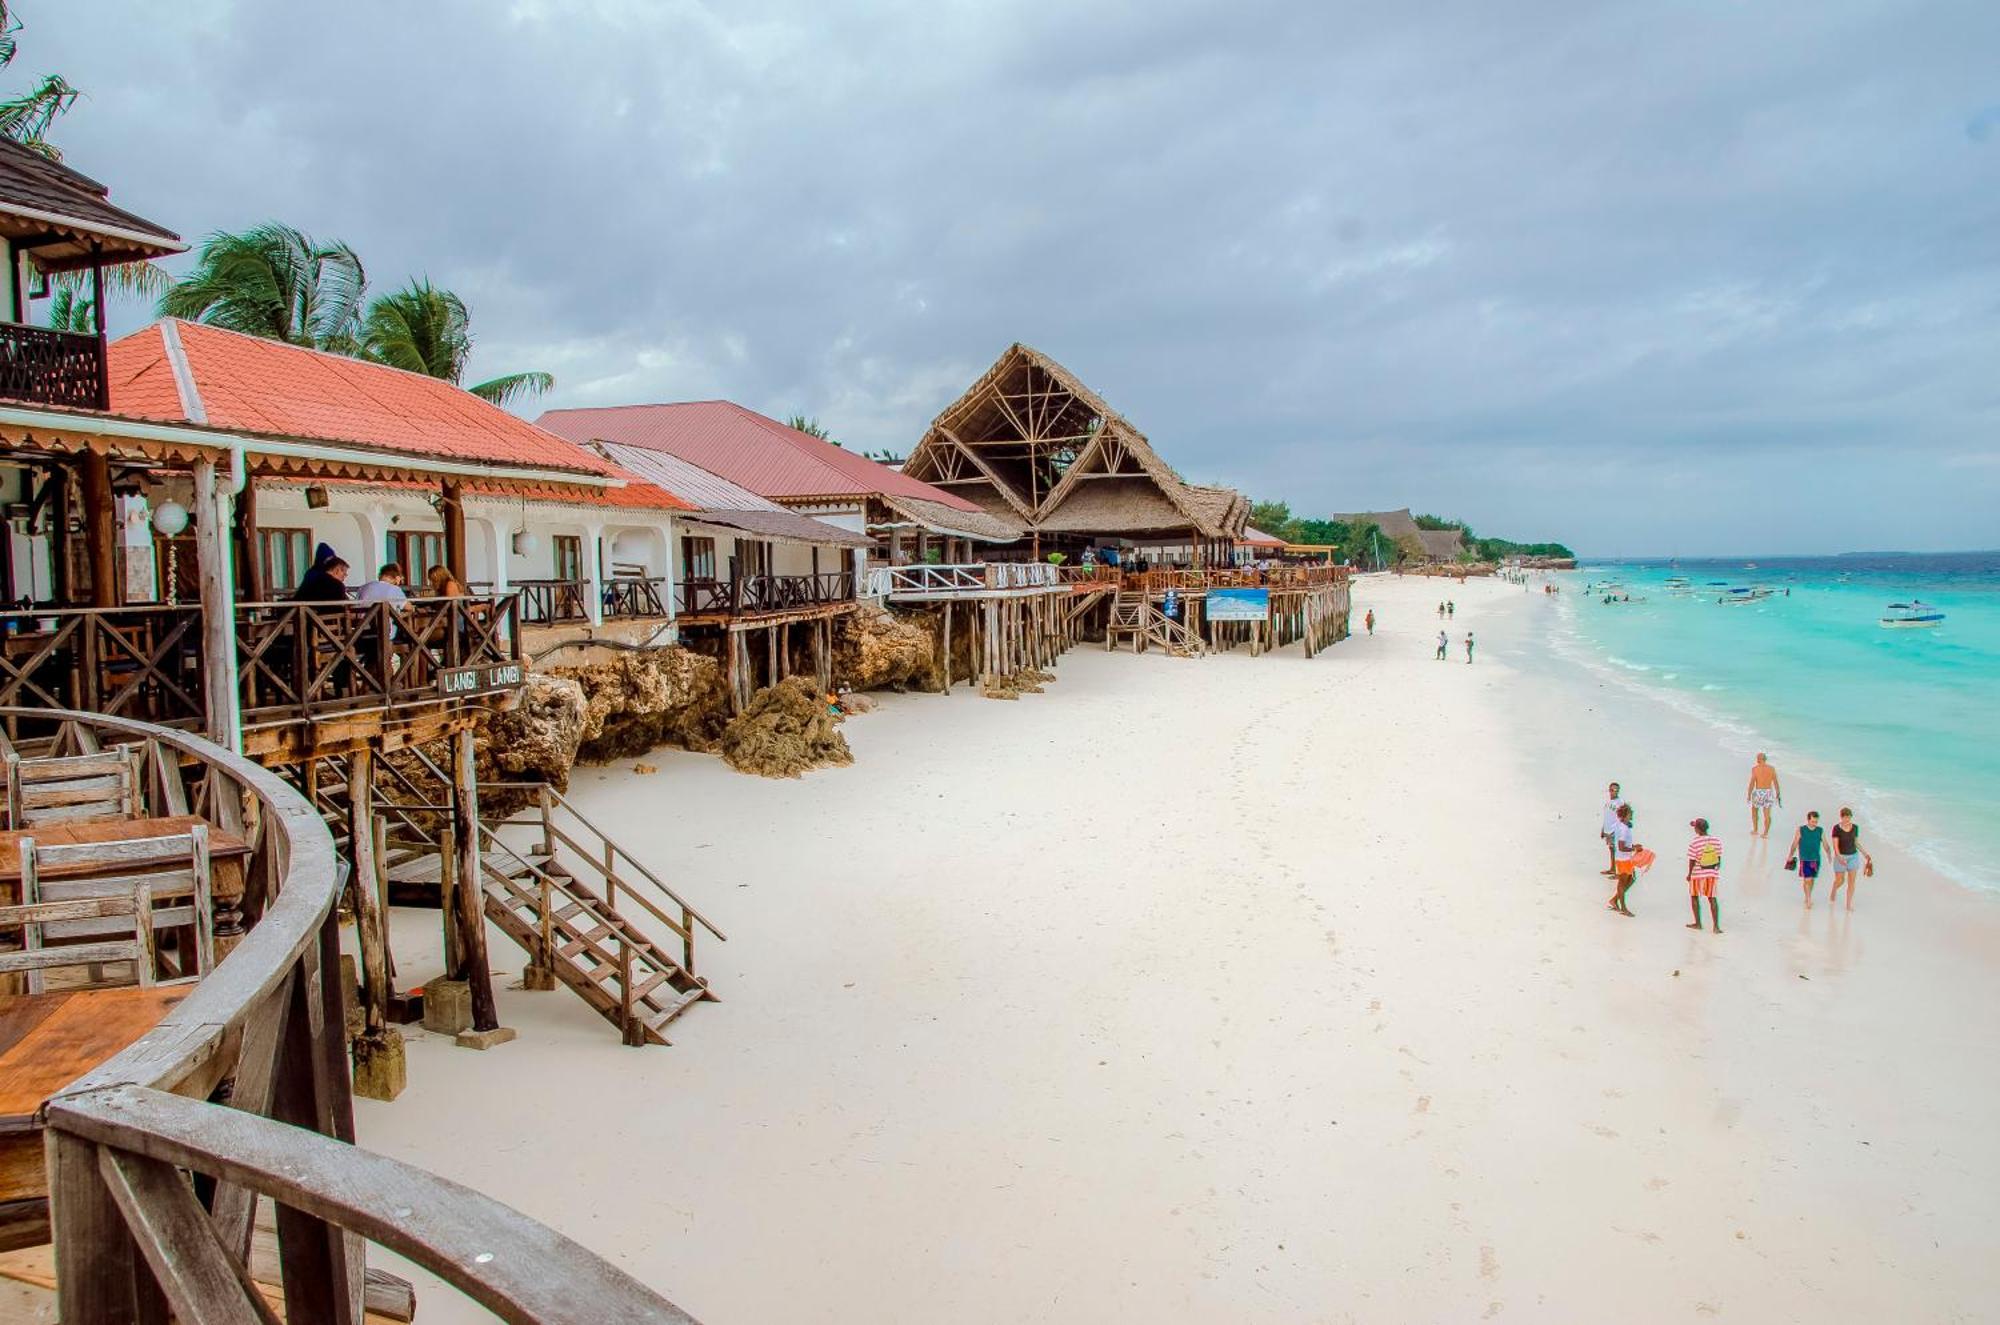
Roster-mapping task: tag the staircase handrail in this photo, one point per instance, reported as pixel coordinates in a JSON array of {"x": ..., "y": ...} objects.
[{"x": 558, "y": 798}]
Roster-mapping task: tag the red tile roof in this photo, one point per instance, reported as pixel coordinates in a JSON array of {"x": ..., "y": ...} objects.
[
  {"x": 248, "y": 385},
  {"x": 746, "y": 448}
]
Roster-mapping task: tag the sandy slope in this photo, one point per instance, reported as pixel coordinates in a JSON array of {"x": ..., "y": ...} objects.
[{"x": 1255, "y": 990}]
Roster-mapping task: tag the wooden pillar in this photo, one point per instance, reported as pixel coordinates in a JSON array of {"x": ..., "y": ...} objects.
[
  {"x": 947, "y": 647},
  {"x": 220, "y": 690},
  {"x": 478, "y": 971},
  {"x": 249, "y": 566},
  {"x": 452, "y": 508},
  {"x": 61, "y": 582},
  {"x": 369, "y": 931},
  {"x": 100, "y": 529}
]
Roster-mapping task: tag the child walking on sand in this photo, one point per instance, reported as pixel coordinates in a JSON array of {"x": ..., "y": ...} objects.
[
  {"x": 1624, "y": 860},
  {"x": 1704, "y": 865},
  {"x": 1805, "y": 851}
]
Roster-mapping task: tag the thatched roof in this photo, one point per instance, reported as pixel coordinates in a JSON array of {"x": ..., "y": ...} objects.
[
  {"x": 942, "y": 519},
  {"x": 1442, "y": 544},
  {"x": 1393, "y": 524},
  {"x": 1031, "y": 440}
]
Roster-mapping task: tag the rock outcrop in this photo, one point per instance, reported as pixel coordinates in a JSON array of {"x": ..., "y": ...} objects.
[
  {"x": 635, "y": 701},
  {"x": 786, "y": 729},
  {"x": 873, "y": 650}
]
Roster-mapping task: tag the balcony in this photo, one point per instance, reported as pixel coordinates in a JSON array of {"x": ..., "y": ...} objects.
[
  {"x": 296, "y": 661},
  {"x": 40, "y": 366},
  {"x": 763, "y": 595},
  {"x": 563, "y": 602}
]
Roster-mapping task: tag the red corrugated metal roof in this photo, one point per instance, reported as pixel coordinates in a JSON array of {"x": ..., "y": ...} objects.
[
  {"x": 250, "y": 385},
  {"x": 744, "y": 447}
]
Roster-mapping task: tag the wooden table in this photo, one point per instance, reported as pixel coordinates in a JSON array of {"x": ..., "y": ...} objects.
[
  {"x": 48, "y": 1041},
  {"x": 226, "y": 854}
]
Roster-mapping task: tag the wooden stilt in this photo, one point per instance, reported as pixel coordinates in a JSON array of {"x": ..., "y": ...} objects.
[
  {"x": 478, "y": 971},
  {"x": 369, "y": 933}
]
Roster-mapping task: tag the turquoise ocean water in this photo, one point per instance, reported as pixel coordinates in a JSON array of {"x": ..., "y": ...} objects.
[{"x": 1905, "y": 723}]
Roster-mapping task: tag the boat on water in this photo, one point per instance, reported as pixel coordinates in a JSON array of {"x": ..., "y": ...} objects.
[
  {"x": 1738, "y": 597},
  {"x": 1912, "y": 615},
  {"x": 1679, "y": 584}
]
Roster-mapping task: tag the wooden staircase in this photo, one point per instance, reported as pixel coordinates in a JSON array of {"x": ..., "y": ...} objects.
[
  {"x": 582, "y": 940},
  {"x": 594, "y": 918},
  {"x": 1136, "y": 617}
]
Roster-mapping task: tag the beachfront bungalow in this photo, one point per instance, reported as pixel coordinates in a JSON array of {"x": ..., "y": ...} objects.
[
  {"x": 958, "y": 567},
  {"x": 170, "y": 910},
  {"x": 1255, "y": 545},
  {"x": 1442, "y": 547},
  {"x": 743, "y": 566},
  {"x": 1032, "y": 446}
]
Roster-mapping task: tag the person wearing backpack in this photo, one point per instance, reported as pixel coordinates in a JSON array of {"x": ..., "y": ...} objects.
[{"x": 1704, "y": 866}]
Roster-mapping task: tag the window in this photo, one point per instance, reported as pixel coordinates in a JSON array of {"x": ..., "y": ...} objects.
[
  {"x": 568, "y": 552},
  {"x": 697, "y": 558},
  {"x": 752, "y": 558},
  {"x": 283, "y": 558},
  {"x": 416, "y": 551}
]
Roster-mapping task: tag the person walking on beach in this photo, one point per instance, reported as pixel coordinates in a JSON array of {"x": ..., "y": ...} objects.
[
  {"x": 1468, "y": 648},
  {"x": 1370, "y": 620},
  {"x": 1444, "y": 642},
  {"x": 1440, "y": 611},
  {"x": 1451, "y": 609},
  {"x": 1613, "y": 803},
  {"x": 1805, "y": 851},
  {"x": 1624, "y": 860},
  {"x": 1850, "y": 862},
  {"x": 1704, "y": 865},
  {"x": 1763, "y": 793}
]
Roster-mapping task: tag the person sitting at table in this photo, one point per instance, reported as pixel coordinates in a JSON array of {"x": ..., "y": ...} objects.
[
  {"x": 326, "y": 582},
  {"x": 443, "y": 584},
  {"x": 386, "y": 587}
]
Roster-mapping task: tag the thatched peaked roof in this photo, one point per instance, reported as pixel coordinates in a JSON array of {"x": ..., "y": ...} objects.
[
  {"x": 1442, "y": 544},
  {"x": 1393, "y": 524},
  {"x": 1030, "y": 440}
]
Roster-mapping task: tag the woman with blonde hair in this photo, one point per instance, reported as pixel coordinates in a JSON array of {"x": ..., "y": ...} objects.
[{"x": 443, "y": 584}]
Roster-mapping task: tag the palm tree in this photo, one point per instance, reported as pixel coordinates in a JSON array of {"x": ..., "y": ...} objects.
[
  {"x": 811, "y": 427},
  {"x": 276, "y": 282},
  {"x": 26, "y": 118},
  {"x": 423, "y": 329}
]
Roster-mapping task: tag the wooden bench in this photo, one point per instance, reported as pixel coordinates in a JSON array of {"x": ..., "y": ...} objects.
[
  {"x": 87, "y": 788},
  {"x": 103, "y": 905}
]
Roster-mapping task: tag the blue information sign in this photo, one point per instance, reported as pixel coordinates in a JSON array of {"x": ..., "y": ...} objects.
[{"x": 1238, "y": 604}]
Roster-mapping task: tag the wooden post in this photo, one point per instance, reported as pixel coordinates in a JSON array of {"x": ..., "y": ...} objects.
[
  {"x": 100, "y": 529},
  {"x": 452, "y": 509},
  {"x": 368, "y": 924},
  {"x": 218, "y": 609},
  {"x": 947, "y": 647},
  {"x": 249, "y": 566},
  {"x": 471, "y": 884}
]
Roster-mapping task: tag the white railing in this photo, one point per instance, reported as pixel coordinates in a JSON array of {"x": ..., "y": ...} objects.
[{"x": 970, "y": 579}]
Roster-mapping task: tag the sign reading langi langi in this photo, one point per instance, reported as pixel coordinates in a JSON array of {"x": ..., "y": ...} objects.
[
  {"x": 1238, "y": 605},
  {"x": 479, "y": 679}
]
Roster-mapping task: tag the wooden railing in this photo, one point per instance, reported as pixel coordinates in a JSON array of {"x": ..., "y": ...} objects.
[
  {"x": 307, "y": 660},
  {"x": 128, "y": 662},
  {"x": 635, "y": 596},
  {"x": 553, "y": 602},
  {"x": 970, "y": 579},
  {"x": 135, "y": 1237},
  {"x": 764, "y": 593},
  {"x": 1234, "y": 577},
  {"x": 1087, "y": 574},
  {"x": 48, "y": 367}
]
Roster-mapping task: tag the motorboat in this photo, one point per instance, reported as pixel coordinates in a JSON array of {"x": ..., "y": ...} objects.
[
  {"x": 1679, "y": 584},
  {"x": 1738, "y": 597},
  {"x": 1912, "y": 615}
]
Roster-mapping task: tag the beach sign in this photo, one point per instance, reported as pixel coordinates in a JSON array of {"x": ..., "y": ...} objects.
[
  {"x": 479, "y": 679},
  {"x": 1239, "y": 604}
]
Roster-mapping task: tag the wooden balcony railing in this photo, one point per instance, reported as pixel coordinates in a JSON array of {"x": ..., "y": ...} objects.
[
  {"x": 635, "y": 596},
  {"x": 47, "y": 367},
  {"x": 135, "y": 1239},
  {"x": 764, "y": 593},
  {"x": 930, "y": 580},
  {"x": 1234, "y": 577},
  {"x": 307, "y": 660},
  {"x": 553, "y": 602},
  {"x": 128, "y": 662}
]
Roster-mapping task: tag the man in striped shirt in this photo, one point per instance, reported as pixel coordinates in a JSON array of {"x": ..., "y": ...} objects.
[{"x": 1704, "y": 865}]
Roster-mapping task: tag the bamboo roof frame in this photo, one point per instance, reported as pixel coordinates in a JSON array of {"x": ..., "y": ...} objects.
[{"x": 1026, "y": 409}]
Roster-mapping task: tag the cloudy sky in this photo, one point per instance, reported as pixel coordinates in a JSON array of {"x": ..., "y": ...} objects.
[{"x": 1682, "y": 277}]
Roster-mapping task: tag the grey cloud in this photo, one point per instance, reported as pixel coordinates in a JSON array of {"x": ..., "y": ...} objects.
[{"x": 1550, "y": 266}]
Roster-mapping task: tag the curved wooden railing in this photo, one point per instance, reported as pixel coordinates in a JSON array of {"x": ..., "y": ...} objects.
[{"x": 264, "y": 1031}]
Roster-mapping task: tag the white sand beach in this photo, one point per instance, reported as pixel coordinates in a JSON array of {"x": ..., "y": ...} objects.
[{"x": 1256, "y": 989}]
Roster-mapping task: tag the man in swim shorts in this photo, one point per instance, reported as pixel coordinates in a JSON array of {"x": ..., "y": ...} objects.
[
  {"x": 1704, "y": 865},
  {"x": 1763, "y": 794},
  {"x": 1805, "y": 849}
]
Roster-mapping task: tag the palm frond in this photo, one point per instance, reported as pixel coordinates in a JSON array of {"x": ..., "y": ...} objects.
[
  {"x": 9, "y": 25},
  {"x": 503, "y": 389},
  {"x": 71, "y": 310},
  {"x": 26, "y": 118},
  {"x": 420, "y": 329},
  {"x": 274, "y": 281},
  {"x": 146, "y": 279}
]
